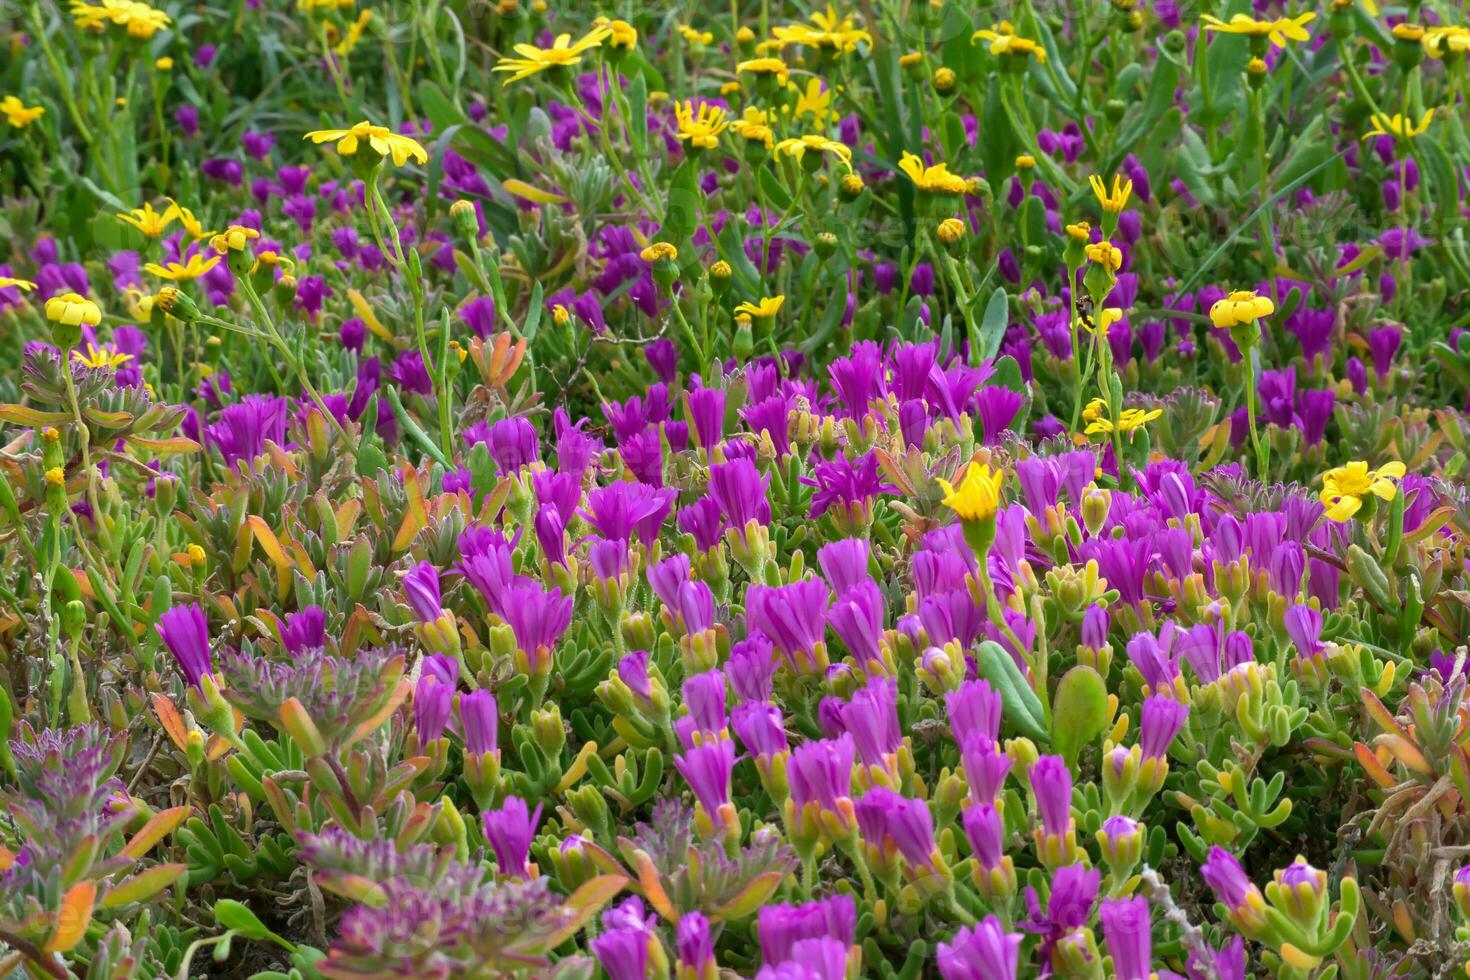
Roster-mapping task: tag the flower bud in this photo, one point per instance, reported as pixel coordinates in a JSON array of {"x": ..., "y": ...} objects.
[
  {"x": 466, "y": 220},
  {"x": 177, "y": 304}
]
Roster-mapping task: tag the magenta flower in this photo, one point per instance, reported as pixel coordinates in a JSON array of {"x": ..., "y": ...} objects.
[
  {"x": 1159, "y": 722},
  {"x": 760, "y": 728},
  {"x": 984, "y": 951},
  {"x": 706, "y": 768},
  {"x": 421, "y": 587},
  {"x": 185, "y": 632},
  {"x": 1051, "y": 784},
  {"x": 479, "y": 720},
  {"x": 871, "y": 718},
  {"x": 1126, "y": 929},
  {"x": 792, "y": 616},
  {"x": 857, "y": 617},
  {"x": 739, "y": 490},
  {"x": 509, "y": 831},
  {"x": 781, "y": 927}
]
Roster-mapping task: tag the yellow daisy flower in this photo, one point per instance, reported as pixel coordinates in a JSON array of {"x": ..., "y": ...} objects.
[
  {"x": 826, "y": 29},
  {"x": 101, "y": 357},
  {"x": 18, "y": 114},
  {"x": 935, "y": 180},
  {"x": 1344, "y": 488},
  {"x": 192, "y": 268},
  {"x": 702, "y": 127},
  {"x": 150, "y": 222},
  {"x": 768, "y": 307},
  {"x": 1241, "y": 306},
  {"x": 73, "y": 310},
  {"x": 1397, "y": 125},
  {"x": 1279, "y": 31},
  {"x": 380, "y": 138},
  {"x": 797, "y": 146},
  {"x": 1116, "y": 200},
  {"x": 978, "y": 496},
  {"x": 563, "y": 53}
]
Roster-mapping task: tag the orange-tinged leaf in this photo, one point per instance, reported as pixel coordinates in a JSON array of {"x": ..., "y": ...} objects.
[
  {"x": 163, "y": 823},
  {"x": 268, "y": 541},
  {"x": 143, "y": 885},
  {"x": 25, "y": 415},
  {"x": 585, "y": 902},
  {"x": 653, "y": 889},
  {"x": 376, "y": 721},
  {"x": 1381, "y": 715},
  {"x": 172, "y": 446},
  {"x": 347, "y": 516},
  {"x": 527, "y": 192},
  {"x": 1406, "y": 752},
  {"x": 172, "y": 721},
  {"x": 751, "y": 897},
  {"x": 73, "y": 917},
  {"x": 7, "y": 858}
]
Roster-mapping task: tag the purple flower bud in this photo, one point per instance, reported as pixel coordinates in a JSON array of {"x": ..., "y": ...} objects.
[
  {"x": 707, "y": 769},
  {"x": 986, "y": 833},
  {"x": 1051, "y": 784},
  {"x": 780, "y": 927},
  {"x": 739, "y": 489},
  {"x": 844, "y": 563},
  {"x": 1160, "y": 721},
  {"x": 872, "y": 719},
  {"x": 1095, "y": 626},
  {"x": 257, "y": 145},
  {"x": 857, "y": 617},
  {"x": 974, "y": 709},
  {"x": 185, "y": 632},
  {"x": 821, "y": 771},
  {"x": 479, "y": 719},
  {"x": 811, "y": 959},
  {"x": 622, "y": 953},
  {"x": 792, "y": 616},
  {"x": 692, "y": 940},
  {"x": 986, "y": 766},
  {"x": 706, "y": 408},
  {"x": 1304, "y": 626},
  {"x": 445, "y": 668},
  {"x": 1227, "y": 879},
  {"x": 704, "y": 696},
  {"x": 633, "y": 671},
  {"x": 421, "y": 588},
  {"x": 432, "y": 700},
  {"x": 509, "y": 831}
]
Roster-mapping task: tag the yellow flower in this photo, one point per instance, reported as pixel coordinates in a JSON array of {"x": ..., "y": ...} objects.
[
  {"x": 910, "y": 59},
  {"x": 701, "y": 128},
  {"x": 697, "y": 38},
  {"x": 307, "y": 6},
  {"x": 1128, "y": 420},
  {"x": 813, "y": 102},
  {"x": 768, "y": 307},
  {"x": 766, "y": 68},
  {"x": 1105, "y": 254},
  {"x": 163, "y": 64},
  {"x": 1279, "y": 31},
  {"x": 1103, "y": 322},
  {"x": 563, "y": 53},
  {"x": 233, "y": 239},
  {"x": 1408, "y": 32},
  {"x": 73, "y": 310},
  {"x": 978, "y": 495},
  {"x": 18, "y": 114},
  {"x": 622, "y": 35},
  {"x": 1344, "y": 488},
  {"x": 797, "y": 146},
  {"x": 383, "y": 142},
  {"x": 1397, "y": 125},
  {"x": 560, "y": 315},
  {"x": 56, "y": 476},
  {"x": 186, "y": 218},
  {"x": 354, "y": 33},
  {"x": 852, "y": 185},
  {"x": 270, "y": 260},
  {"x": 826, "y": 30},
  {"x": 150, "y": 222},
  {"x": 24, "y": 285},
  {"x": 1094, "y": 410},
  {"x": 950, "y": 230},
  {"x": 138, "y": 19},
  {"x": 1117, "y": 199},
  {"x": 659, "y": 251},
  {"x": 1241, "y": 306},
  {"x": 1081, "y": 231},
  {"x": 194, "y": 267},
  {"x": 1025, "y": 161},
  {"x": 1439, "y": 41},
  {"x": 935, "y": 180},
  {"x": 101, "y": 357},
  {"x": 1004, "y": 42}
]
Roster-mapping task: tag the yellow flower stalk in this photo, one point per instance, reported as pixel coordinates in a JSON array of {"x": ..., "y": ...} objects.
[
  {"x": 934, "y": 180},
  {"x": 101, "y": 357},
  {"x": 192, "y": 268},
  {"x": 700, "y": 128},
  {"x": 768, "y": 307},
  {"x": 73, "y": 310},
  {"x": 1345, "y": 487},
  {"x": 1278, "y": 31},
  {"x": 1113, "y": 201},
  {"x": 18, "y": 114},
  {"x": 563, "y": 53},
  {"x": 150, "y": 222},
  {"x": 978, "y": 496},
  {"x": 383, "y": 141},
  {"x": 1398, "y": 125}
]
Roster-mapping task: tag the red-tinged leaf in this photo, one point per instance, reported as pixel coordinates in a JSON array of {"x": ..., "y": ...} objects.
[
  {"x": 376, "y": 721},
  {"x": 1405, "y": 751},
  {"x": 172, "y": 721},
  {"x": 1382, "y": 715},
  {"x": 298, "y": 724},
  {"x": 163, "y": 823},
  {"x": 586, "y": 902},
  {"x": 751, "y": 897},
  {"x": 73, "y": 917},
  {"x": 172, "y": 446},
  {"x": 143, "y": 885},
  {"x": 652, "y": 888},
  {"x": 268, "y": 541},
  {"x": 25, "y": 415},
  {"x": 353, "y": 887},
  {"x": 111, "y": 420},
  {"x": 1375, "y": 769}
]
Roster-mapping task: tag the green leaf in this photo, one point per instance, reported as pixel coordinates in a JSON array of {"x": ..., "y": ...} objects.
[
  {"x": 992, "y": 326},
  {"x": 776, "y": 194},
  {"x": 1019, "y": 703},
  {"x": 238, "y": 916},
  {"x": 1079, "y": 710}
]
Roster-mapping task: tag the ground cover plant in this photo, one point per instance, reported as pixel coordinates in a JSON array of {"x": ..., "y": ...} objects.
[{"x": 900, "y": 489}]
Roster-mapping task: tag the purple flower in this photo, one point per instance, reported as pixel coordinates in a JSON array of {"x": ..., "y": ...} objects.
[
  {"x": 847, "y": 484},
  {"x": 703, "y": 521},
  {"x": 627, "y": 510},
  {"x": 857, "y": 379},
  {"x": 760, "y": 728},
  {"x": 187, "y": 117},
  {"x": 811, "y": 959},
  {"x": 257, "y": 145},
  {"x": 1126, "y": 929},
  {"x": 479, "y": 719},
  {"x": 871, "y": 717},
  {"x": 1304, "y": 626},
  {"x": 706, "y": 407},
  {"x": 986, "y": 767},
  {"x": 479, "y": 315},
  {"x": 512, "y": 442},
  {"x": 781, "y": 927},
  {"x": 1227, "y": 879},
  {"x": 984, "y": 951},
  {"x": 1068, "y": 907},
  {"x": 739, "y": 489},
  {"x": 185, "y": 632},
  {"x": 663, "y": 356},
  {"x": 844, "y": 562},
  {"x": 793, "y": 617},
  {"x": 1383, "y": 344},
  {"x": 509, "y": 831},
  {"x": 857, "y": 617},
  {"x": 421, "y": 587},
  {"x": 538, "y": 617},
  {"x": 692, "y": 940},
  {"x": 704, "y": 696},
  {"x": 771, "y": 415},
  {"x": 997, "y": 408},
  {"x": 1051, "y": 784},
  {"x": 304, "y": 630},
  {"x": 821, "y": 772},
  {"x": 974, "y": 709},
  {"x": 986, "y": 833},
  {"x": 750, "y": 668},
  {"x": 244, "y": 427},
  {"x": 622, "y": 953},
  {"x": 706, "y": 768}
]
